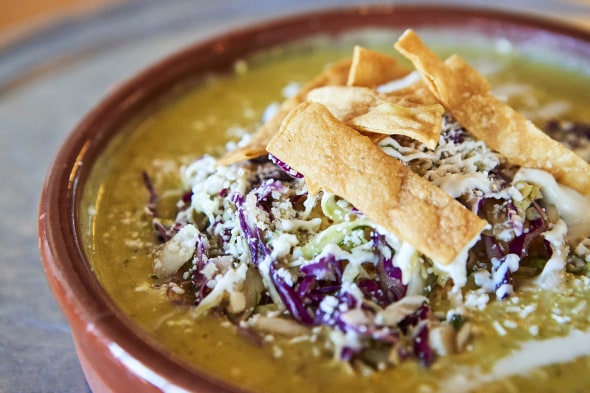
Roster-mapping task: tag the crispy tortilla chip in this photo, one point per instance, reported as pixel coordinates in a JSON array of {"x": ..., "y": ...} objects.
[
  {"x": 375, "y": 138},
  {"x": 421, "y": 123},
  {"x": 449, "y": 88},
  {"x": 336, "y": 75},
  {"x": 466, "y": 95},
  {"x": 417, "y": 93},
  {"x": 345, "y": 102},
  {"x": 366, "y": 110},
  {"x": 338, "y": 159},
  {"x": 371, "y": 68}
]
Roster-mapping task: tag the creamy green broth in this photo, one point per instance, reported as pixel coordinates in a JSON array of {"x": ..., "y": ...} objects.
[{"x": 120, "y": 242}]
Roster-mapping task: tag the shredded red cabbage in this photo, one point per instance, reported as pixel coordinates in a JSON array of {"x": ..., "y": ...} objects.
[
  {"x": 152, "y": 196},
  {"x": 422, "y": 347},
  {"x": 318, "y": 296},
  {"x": 258, "y": 252},
  {"x": 200, "y": 259},
  {"x": 285, "y": 167},
  {"x": 325, "y": 268},
  {"x": 390, "y": 276}
]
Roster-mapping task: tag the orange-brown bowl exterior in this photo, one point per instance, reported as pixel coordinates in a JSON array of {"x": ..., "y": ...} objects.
[{"x": 115, "y": 355}]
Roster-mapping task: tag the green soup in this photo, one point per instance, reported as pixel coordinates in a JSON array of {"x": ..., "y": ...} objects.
[{"x": 202, "y": 119}]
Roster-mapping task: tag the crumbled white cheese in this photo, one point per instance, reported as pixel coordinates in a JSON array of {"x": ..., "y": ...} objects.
[
  {"x": 476, "y": 299},
  {"x": 291, "y": 90},
  {"x": 277, "y": 352},
  {"x": 270, "y": 111},
  {"x": 286, "y": 276},
  {"x": 210, "y": 270},
  {"x": 510, "y": 324},
  {"x": 328, "y": 304},
  {"x": 499, "y": 328},
  {"x": 224, "y": 286},
  {"x": 134, "y": 243},
  {"x": 561, "y": 318},
  {"x": 527, "y": 310},
  {"x": 177, "y": 251},
  {"x": 282, "y": 244},
  {"x": 176, "y": 289}
]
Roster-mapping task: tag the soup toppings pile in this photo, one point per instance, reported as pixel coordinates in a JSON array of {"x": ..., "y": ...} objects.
[{"x": 374, "y": 210}]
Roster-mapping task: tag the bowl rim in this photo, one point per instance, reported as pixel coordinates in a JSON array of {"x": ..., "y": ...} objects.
[{"x": 77, "y": 289}]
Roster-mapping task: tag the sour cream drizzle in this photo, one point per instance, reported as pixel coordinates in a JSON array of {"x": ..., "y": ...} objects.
[
  {"x": 532, "y": 355},
  {"x": 573, "y": 207}
]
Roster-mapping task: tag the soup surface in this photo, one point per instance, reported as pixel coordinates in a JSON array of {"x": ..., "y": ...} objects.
[{"x": 536, "y": 340}]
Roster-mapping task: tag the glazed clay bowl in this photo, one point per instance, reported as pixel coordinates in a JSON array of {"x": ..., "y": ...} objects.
[{"x": 114, "y": 353}]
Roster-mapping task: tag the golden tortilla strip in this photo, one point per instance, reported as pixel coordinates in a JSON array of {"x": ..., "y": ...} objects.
[
  {"x": 336, "y": 74},
  {"x": 417, "y": 93},
  {"x": 366, "y": 110},
  {"x": 466, "y": 95},
  {"x": 421, "y": 123},
  {"x": 338, "y": 159},
  {"x": 345, "y": 102},
  {"x": 375, "y": 138},
  {"x": 371, "y": 68}
]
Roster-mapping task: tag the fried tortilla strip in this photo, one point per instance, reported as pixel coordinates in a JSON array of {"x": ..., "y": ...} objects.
[
  {"x": 336, "y": 74},
  {"x": 366, "y": 110},
  {"x": 466, "y": 95},
  {"x": 422, "y": 123},
  {"x": 345, "y": 102},
  {"x": 417, "y": 93},
  {"x": 338, "y": 159},
  {"x": 371, "y": 68}
]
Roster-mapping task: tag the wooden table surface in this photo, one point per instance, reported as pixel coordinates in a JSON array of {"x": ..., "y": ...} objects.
[
  {"x": 21, "y": 17},
  {"x": 18, "y": 16}
]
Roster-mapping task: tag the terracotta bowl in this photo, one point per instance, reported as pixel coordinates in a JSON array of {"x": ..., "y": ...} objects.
[{"x": 114, "y": 353}]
